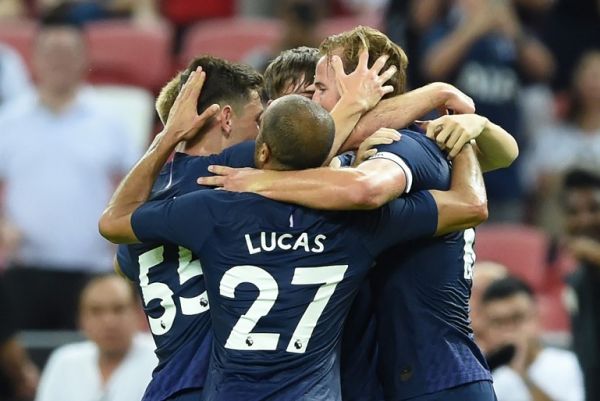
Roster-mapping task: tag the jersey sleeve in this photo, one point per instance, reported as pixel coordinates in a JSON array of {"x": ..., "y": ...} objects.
[
  {"x": 403, "y": 219},
  {"x": 185, "y": 220},
  {"x": 422, "y": 165},
  {"x": 126, "y": 263}
]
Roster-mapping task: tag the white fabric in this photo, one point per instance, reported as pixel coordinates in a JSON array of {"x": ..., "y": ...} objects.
[
  {"x": 560, "y": 148},
  {"x": 14, "y": 79},
  {"x": 59, "y": 172},
  {"x": 401, "y": 163},
  {"x": 72, "y": 374},
  {"x": 555, "y": 371},
  {"x": 135, "y": 106}
]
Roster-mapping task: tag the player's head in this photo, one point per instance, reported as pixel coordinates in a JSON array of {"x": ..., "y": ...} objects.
[
  {"x": 511, "y": 313},
  {"x": 293, "y": 71},
  {"x": 348, "y": 45},
  {"x": 235, "y": 87},
  {"x": 107, "y": 313},
  {"x": 295, "y": 134},
  {"x": 59, "y": 56},
  {"x": 581, "y": 200}
]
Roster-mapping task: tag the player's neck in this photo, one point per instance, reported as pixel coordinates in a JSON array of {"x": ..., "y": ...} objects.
[{"x": 208, "y": 144}]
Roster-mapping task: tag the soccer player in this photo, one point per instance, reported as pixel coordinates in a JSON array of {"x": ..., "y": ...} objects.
[
  {"x": 276, "y": 320},
  {"x": 169, "y": 278},
  {"x": 421, "y": 291}
]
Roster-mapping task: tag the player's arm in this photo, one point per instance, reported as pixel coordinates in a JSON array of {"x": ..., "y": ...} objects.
[
  {"x": 431, "y": 213},
  {"x": 369, "y": 186},
  {"x": 400, "y": 111},
  {"x": 359, "y": 91},
  {"x": 134, "y": 189},
  {"x": 465, "y": 204},
  {"x": 496, "y": 148}
]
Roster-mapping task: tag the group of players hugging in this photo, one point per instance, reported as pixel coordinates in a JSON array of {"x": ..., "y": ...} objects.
[{"x": 336, "y": 261}]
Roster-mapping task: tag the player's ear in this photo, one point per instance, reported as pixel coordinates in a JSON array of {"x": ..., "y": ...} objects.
[
  {"x": 263, "y": 154},
  {"x": 225, "y": 120}
]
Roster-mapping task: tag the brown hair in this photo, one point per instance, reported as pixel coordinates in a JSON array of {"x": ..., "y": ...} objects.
[
  {"x": 226, "y": 82},
  {"x": 349, "y": 44},
  {"x": 292, "y": 67}
]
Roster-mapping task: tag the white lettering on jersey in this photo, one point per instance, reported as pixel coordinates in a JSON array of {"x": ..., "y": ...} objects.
[{"x": 269, "y": 242}]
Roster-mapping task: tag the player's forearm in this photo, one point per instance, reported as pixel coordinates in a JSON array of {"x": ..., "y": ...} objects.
[
  {"x": 133, "y": 191},
  {"x": 346, "y": 115},
  {"x": 465, "y": 204},
  {"x": 400, "y": 111},
  {"x": 497, "y": 148},
  {"x": 322, "y": 188}
]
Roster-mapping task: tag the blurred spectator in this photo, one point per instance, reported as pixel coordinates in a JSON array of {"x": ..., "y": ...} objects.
[
  {"x": 406, "y": 21},
  {"x": 572, "y": 29},
  {"x": 573, "y": 143},
  {"x": 59, "y": 156},
  {"x": 481, "y": 48},
  {"x": 18, "y": 375},
  {"x": 14, "y": 79},
  {"x": 582, "y": 209},
  {"x": 12, "y": 9},
  {"x": 115, "y": 364},
  {"x": 529, "y": 371},
  {"x": 484, "y": 274},
  {"x": 83, "y": 11},
  {"x": 300, "y": 20}
]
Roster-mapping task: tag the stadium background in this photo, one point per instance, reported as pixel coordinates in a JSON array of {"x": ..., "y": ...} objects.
[{"x": 135, "y": 46}]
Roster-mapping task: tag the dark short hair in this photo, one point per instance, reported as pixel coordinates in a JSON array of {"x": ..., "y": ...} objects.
[
  {"x": 226, "y": 82},
  {"x": 581, "y": 179},
  {"x": 292, "y": 67},
  {"x": 298, "y": 132},
  {"x": 506, "y": 288}
]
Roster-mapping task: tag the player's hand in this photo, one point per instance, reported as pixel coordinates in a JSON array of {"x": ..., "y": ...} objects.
[
  {"x": 452, "y": 132},
  {"x": 365, "y": 86},
  {"x": 383, "y": 136},
  {"x": 184, "y": 122},
  {"x": 457, "y": 101},
  {"x": 234, "y": 179}
]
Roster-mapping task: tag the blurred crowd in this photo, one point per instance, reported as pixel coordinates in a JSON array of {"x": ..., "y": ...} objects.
[{"x": 531, "y": 66}]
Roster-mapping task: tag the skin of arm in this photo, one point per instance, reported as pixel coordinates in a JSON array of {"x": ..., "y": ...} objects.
[
  {"x": 134, "y": 190},
  {"x": 465, "y": 204},
  {"x": 400, "y": 111},
  {"x": 371, "y": 185}
]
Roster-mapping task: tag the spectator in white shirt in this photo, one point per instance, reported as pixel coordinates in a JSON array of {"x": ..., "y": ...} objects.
[
  {"x": 14, "y": 78},
  {"x": 531, "y": 371},
  {"x": 116, "y": 364},
  {"x": 60, "y": 156}
]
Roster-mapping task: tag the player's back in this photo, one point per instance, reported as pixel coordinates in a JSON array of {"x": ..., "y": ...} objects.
[
  {"x": 421, "y": 294},
  {"x": 285, "y": 278},
  {"x": 280, "y": 280},
  {"x": 170, "y": 281}
]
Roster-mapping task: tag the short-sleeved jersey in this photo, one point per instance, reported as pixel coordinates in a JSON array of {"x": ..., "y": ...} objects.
[
  {"x": 171, "y": 283},
  {"x": 421, "y": 293},
  {"x": 280, "y": 281}
]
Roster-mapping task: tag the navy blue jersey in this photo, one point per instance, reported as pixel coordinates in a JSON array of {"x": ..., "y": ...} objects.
[
  {"x": 280, "y": 281},
  {"x": 421, "y": 293},
  {"x": 171, "y": 284}
]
